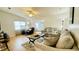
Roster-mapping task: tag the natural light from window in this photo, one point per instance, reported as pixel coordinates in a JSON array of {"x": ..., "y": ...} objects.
[
  {"x": 39, "y": 25},
  {"x": 19, "y": 25}
]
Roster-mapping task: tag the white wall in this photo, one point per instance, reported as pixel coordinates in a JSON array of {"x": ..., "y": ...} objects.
[
  {"x": 76, "y": 15},
  {"x": 55, "y": 19},
  {"x": 6, "y": 21}
]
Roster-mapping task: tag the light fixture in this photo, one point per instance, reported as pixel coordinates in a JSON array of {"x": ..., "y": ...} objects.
[
  {"x": 31, "y": 12},
  {"x": 30, "y": 15},
  {"x": 9, "y": 8}
]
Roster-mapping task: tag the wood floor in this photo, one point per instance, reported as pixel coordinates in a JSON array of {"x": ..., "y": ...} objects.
[{"x": 15, "y": 43}]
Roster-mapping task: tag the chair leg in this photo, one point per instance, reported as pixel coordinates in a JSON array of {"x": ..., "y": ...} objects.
[{"x": 7, "y": 46}]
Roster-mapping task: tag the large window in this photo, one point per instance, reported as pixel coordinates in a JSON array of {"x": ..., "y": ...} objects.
[
  {"x": 39, "y": 25},
  {"x": 19, "y": 25}
]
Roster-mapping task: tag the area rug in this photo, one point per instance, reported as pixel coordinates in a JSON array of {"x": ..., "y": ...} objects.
[{"x": 28, "y": 46}]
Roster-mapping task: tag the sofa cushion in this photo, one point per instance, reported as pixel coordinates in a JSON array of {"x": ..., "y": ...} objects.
[
  {"x": 75, "y": 47},
  {"x": 43, "y": 47},
  {"x": 74, "y": 28},
  {"x": 65, "y": 41},
  {"x": 51, "y": 40}
]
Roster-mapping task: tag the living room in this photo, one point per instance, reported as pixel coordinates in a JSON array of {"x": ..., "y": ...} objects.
[{"x": 29, "y": 24}]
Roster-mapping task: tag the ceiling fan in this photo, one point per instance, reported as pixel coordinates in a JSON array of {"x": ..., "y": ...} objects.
[{"x": 31, "y": 12}]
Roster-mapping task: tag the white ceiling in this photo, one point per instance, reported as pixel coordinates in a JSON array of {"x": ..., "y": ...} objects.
[
  {"x": 51, "y": 11},
  {"x": 42, "y": 11},
  {"x": 16, "y": 10}
]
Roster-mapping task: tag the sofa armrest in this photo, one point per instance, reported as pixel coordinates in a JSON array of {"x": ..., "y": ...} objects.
[{"x": 43, "y": 47}]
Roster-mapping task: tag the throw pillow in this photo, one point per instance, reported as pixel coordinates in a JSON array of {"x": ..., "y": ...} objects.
[{"x": 65, "y": 41}]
